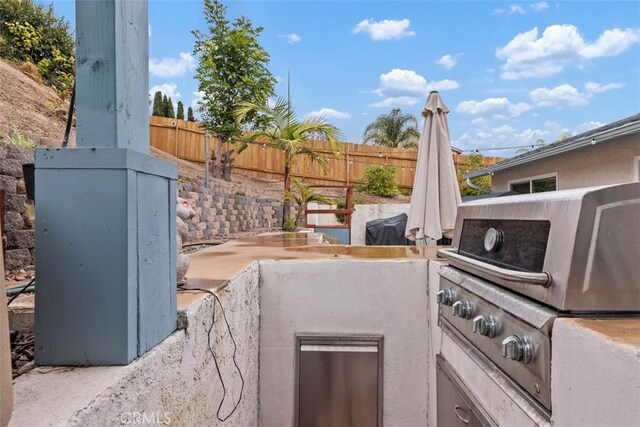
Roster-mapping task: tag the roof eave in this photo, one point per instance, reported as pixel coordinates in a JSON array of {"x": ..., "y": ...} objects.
[{"x": 624, "y": 130}]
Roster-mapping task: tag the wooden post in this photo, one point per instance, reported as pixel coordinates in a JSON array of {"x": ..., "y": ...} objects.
[
  {"x": 112, "y": 74},
  {"x": 206, "y": 160},
  {"x": 106, "y": 211}
]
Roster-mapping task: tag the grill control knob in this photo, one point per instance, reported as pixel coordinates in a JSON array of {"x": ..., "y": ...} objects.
[
  {"x": 445, "y": 297},
  {"x": 517, "y": 348},
  {"x": 493, "y": 240},
  {"x": 463, "y": 309},
  {"x": 484, "y": 325}
]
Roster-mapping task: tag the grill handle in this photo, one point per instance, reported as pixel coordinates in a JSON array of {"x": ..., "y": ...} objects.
[{"x": 492, "y": 272}]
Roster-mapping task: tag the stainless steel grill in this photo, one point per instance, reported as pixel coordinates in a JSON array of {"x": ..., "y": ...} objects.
[{"x": 517, "y": 263}]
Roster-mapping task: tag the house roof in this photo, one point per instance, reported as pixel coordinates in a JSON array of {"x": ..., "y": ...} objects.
[{"x": 626, "y": 126}]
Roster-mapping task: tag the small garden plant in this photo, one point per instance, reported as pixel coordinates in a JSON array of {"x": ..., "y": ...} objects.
[
  {"x": 17, "y": 138},
  {"x": 380, "y": 180},
  {"x": 303, "y": 194},
  {"x": 289, "y": 225}
]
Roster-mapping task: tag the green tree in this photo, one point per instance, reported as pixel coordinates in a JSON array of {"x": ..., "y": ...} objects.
[
  {"x": 158, "y": 106},
  {"x": 190, "y": 117},
  {"x": 170, "y": 111},
  {"x": 31, "y": 32},
  {"x": 283, "y": 130},
  {"x": 232, "y": 68},
  {"x": 474, "y": 162},
  {"x": 165, "y": 106},
  {"x": 180, "y": 112},
  {"x": 395, "y": 130}
]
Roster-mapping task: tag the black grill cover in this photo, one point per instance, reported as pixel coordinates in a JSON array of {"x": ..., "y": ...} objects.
[{"x": 388, "y": 231}]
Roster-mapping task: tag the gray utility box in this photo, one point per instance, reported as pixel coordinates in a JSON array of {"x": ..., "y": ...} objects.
[{"x": 106, "y": 255}]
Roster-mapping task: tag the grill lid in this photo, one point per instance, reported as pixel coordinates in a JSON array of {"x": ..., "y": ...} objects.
[{"x": 576, "y": 250}]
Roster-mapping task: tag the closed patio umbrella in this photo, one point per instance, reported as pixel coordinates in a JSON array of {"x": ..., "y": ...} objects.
[{"x": 436, "y": 195}]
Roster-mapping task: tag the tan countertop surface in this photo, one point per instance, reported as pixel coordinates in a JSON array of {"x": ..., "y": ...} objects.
[
  {"x": 212, "y": 267},
  {"x": 624, "y": 331}
]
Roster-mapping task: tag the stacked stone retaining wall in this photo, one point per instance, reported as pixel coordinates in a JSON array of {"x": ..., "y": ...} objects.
[
  {"x": 18, "y": 229},
  {"x": 219, "y": 214}
]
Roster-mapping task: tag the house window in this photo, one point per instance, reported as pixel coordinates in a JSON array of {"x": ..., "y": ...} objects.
[{"x": 537, "y": 184}]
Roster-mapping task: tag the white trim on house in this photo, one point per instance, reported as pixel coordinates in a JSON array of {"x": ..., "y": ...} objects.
[
  {"x": 636, "y": 168},
  {"x": 534, "y": 178}
]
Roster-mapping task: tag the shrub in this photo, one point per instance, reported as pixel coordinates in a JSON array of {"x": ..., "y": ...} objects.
[
  {"x": 31, "y": 32},
  {"x": 289, "y": 225},
  {"x": 17, "y": 138},
  {"x": 342, "y": 204},
  {"x": 240, "y": 193},
  {"x": 380, "y": 180}
]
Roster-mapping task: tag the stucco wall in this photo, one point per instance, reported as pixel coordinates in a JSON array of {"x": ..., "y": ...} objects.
[
  {"x": 364, "y": 213},
  {"x": 595, "y": 378},
  {"x": 610, "y": 162},
  {"x": 340, "y": 297},
  {"x": 176, "y": 383}
]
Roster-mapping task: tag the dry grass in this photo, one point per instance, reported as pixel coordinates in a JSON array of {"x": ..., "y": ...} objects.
[{"x": 31, "y": 70}]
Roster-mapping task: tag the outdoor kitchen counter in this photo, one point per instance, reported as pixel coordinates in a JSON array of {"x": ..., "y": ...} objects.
[
  {"x": 213, "y": 267},
  {"x": 596, "y": 372}
]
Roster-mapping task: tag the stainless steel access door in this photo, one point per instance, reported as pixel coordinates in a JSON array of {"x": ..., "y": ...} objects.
[
  {"x": 456, "y": 406},
  {"x": 339, "y": 381}
]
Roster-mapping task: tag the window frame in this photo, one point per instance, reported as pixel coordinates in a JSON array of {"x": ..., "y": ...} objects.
[{"x": 535, "y": 178}]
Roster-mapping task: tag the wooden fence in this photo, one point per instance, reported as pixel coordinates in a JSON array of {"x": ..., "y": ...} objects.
[{"x": 185, "y": 140}]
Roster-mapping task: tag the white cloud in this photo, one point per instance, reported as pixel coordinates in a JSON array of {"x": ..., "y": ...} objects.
[
  {"x": 197, "y": 96},
  {"x": 149, "y": 30},
  {"x": 404, "y": 83},
  {"x": 441, "y": 85},
  {"x": 540, "y": 6},
  {"x": 399, "y": 82},
  {"x": 169, "y": 89},
  {"x": 497, "y": 106},
  {"x": 593, "y": 87},
  {"x": 587, "y": 126},
  {"x": 530, "y": 56},
  {"x": 611, "y": 42},
  {"x": 398, "y": 101},
  {"x": 502, "y": 136},
  {"x": 330, "y": 113},
  {"x": 447, "y": 61},
  {"x": 172, "y": 67},
  {"x": 387, "y": 29},
  {"x": 516, "y": 8},
  {"x": 560, "y": 96},
  {"x": 480, "y": 121},
  {"x": 291, "y": 38}
]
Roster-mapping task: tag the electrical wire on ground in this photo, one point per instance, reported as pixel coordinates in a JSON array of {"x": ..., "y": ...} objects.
[{"x": 215, "y": 360}]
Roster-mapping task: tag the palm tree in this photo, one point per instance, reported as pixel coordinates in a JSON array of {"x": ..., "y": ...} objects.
[
  {"x": 302, "y": 195},
  {"x": 395, "y": 130},
  {"x": 283, "y": 130}
]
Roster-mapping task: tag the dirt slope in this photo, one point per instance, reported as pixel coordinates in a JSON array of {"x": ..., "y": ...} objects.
[{"x": 34, "y": 108}]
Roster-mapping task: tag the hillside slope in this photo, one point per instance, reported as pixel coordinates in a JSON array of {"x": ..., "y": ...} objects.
[{"x": 34, "y": 108}]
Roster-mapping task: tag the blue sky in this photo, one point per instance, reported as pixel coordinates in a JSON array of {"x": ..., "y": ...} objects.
[{"x": 510, "y": 72}]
